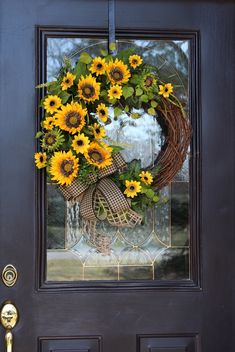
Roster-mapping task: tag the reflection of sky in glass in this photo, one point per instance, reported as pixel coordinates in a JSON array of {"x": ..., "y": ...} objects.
[
  {"x": 171, "y": 57},
  {"x": 145, "y": 251},
  {"x": 141, "y": 138}
]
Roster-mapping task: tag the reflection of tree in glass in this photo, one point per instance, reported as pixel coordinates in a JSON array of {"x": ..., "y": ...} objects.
[
  {"x": 58, "y": 48},
  {"x": 171, "y": 57}
]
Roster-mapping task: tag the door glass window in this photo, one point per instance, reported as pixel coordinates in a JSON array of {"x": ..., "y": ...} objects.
[{"x": 159, "y": 249}]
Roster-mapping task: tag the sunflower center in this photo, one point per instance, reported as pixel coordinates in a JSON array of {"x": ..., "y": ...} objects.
[
  {"x": 99, "y": 66},
  {"x": 166, "y": 89},
  {"x": 96, "y": 156},
  {"x": 67, "y": 81},
  {"x": 88, "y": 91},
  {"x": 52, "y": 103},
  {"x": 146, "y": 178},
  {"x": 67, "y": 167},
  {"x": 116, "y": 74},
  {"x": 41, "y": 159},
  {"x": 50, "y": 139},
  {"x": 97, "y": 130},
  {"x": 114, "y": 91},
  {"x": 132, "y": 188},
  {"x": 72, "y": 119},
  {"x": 134, "y": 62},
  {"x": 80, "y": 143},
  {"x": 102, "y": 112},
  {"x": 148, "y": 81}
]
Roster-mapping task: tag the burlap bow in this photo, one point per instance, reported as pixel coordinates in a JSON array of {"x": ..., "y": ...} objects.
[{"x": 101, "y": 199}]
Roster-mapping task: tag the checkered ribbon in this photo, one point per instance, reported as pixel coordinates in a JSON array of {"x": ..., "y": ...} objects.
[{"x": 102, "y": 187}]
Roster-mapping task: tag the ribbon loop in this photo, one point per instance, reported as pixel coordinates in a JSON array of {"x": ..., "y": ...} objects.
[{"x": 101, "y": 199}]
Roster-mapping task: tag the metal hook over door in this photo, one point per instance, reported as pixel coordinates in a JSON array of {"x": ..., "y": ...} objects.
[{"x": 9, "y": 318}]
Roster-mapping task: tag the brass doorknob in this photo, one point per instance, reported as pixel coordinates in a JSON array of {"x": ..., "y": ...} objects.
[{"x": 9, "y": 318}]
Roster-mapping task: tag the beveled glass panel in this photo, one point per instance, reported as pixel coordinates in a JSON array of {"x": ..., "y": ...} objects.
[{"x": 159, "y": 248}]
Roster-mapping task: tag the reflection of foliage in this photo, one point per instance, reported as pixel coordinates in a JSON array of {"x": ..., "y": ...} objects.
[
  {"x": 174, "y": 266},
  {"x": 55, "y": 218}
]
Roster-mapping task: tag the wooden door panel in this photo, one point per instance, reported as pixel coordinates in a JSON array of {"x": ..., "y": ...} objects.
[
  {"x": 168, "y": 343},
  {"x": 73, "y": 344}
]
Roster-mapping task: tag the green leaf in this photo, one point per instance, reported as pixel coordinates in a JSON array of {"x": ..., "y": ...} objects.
[
  {"x": 104, "y": 52},
  {"x": 54, "y": 88},
  {"x": 80, "y": 69},
  {"x": 85, "y": 58},
  {"x": 39, "y": 134},
  {"x": 135, "y": 79},
  {"x": 45, "y": 85},
  {"x": 151, "y": 96},
  {"x": 135, "y": 167},
  {"x": 156, "y": 199},
  {"x": 152, "y": 111},
  {"x": 112, "y": 46},
  {"x": 135, "y": 115},
  {"x": 138, "y": 92},
  {"x": 104, "y": 94},
  {"x": 126, "y": 108},
  {"x": 150, "y": 193},
  {"x": 144, "y": 98},
  {"x": 127, "y": 91},
  {"x": 112, "y": 101},
  {"x": 125, "y": 54},
  {"x": 154, "y": 103},
  {"x": 116, "y": 148},
  {"x": 64, "y": 97},
  {"x": 117, "y": 111}
]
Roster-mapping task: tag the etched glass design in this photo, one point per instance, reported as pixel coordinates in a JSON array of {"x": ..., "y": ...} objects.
[{"x": 159, "y": 248}]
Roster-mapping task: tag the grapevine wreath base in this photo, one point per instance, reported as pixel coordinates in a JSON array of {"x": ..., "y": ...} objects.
[{"x": 95, "y": 201}]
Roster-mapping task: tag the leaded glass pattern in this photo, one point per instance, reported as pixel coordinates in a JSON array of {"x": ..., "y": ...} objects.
[{"x": 159, "y": 248}]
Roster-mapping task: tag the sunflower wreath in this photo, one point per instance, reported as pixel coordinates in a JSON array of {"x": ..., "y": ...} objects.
[{"x": 83, "y": 161}]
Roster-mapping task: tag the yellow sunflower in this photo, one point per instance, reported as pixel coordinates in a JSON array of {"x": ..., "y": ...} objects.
[
  {"x": 40, "y": 160},
  {"x": 52, "y": 140},
  {"x": 132, "y": 188},
  {"x": 149, "y": 82},
  {"x": 102, "y": 112},
  {"x": 135, "y": 60},
  {"x": 67, "y": 81},
  {"x": 80, "y": 143},
  {"x": 71, "y": 117},
  {"x": 166, "y": 90},
  {"x": 98, "y": 66},
  {"x": 146, "y": 177},
  {"x": 52, "y": 103},
  {"x": 98, "y": 131},
  {"x": 118, "y": 72},
  {"x": 115, "y": 92},
  {"x": 49, "y": 123},
  {"x": 88, "y": 88},
  {"x": 99, "y": 155},
  {"x": 64, "y": 167}
]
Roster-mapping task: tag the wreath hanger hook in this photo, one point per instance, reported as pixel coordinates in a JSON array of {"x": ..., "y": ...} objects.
[{"x": 112, "y": 45}]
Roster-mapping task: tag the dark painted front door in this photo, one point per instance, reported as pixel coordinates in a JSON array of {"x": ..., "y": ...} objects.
[{"x": 179, "y": 301}]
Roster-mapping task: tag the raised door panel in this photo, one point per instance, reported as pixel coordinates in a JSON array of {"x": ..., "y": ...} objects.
[{"x": 73, "y": 344}]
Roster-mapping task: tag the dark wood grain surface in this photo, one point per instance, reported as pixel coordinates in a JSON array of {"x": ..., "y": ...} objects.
[{"x": 120, "y": 316}]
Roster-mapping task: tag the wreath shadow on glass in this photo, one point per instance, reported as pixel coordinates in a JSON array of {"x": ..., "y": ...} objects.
[{"x": 86, "y": 165}]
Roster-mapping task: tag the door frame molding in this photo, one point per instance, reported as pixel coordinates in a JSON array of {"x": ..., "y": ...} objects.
[{"x": 41, "y": 34}]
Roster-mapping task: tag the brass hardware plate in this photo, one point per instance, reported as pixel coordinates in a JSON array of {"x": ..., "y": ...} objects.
[
  {"x": 9, "y": 316},
  {"x": 9, "y": 275}
]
